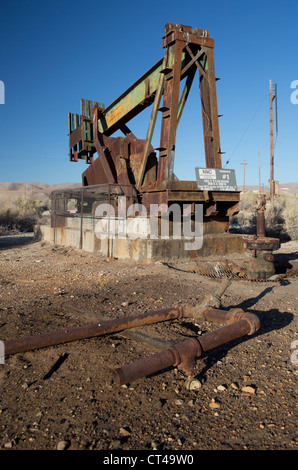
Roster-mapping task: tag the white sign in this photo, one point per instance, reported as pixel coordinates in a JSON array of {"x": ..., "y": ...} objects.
[{"x": 216, "y": 179}]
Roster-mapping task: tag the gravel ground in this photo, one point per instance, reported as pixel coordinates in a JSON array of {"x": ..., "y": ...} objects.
[{"x": 66, "y": 396}]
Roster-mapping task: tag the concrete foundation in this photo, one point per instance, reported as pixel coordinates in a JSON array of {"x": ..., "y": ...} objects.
[{"x": 85, "y": 238}]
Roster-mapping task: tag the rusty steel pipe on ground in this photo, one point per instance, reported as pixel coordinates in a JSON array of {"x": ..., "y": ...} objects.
[
  {"x": 91, "y": 330},
  {"x": 185, "y": 353},
  {"x": 231, "y": 316},
  {"x": 181, "y": 354},
  {"x": 54, "y": 338}
]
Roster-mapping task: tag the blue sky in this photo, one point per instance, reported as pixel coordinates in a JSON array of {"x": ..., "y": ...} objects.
[{"x": 52, "y": 53}]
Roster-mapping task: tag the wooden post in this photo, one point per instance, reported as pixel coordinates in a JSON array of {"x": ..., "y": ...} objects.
[
  {"x": 271, "y": 144},
  {"x": 260, "y": 189},
  {"x": 244, "y": 163}
]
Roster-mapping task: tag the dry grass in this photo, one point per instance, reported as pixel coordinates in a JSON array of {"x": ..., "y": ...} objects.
[
  {"x": 281, "y": 217},
  {"x": 19, "y": 215}
]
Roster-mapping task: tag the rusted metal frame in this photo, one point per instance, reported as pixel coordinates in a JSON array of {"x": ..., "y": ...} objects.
[
  {"x": 226, "y": 196},
  {"x": 71, "y": 155},
  {"x": 196, "y": 60},
  {"x": 211, "y": 209},
  {"x": 156, "y": 103},
  {"x": 187, "y": 63},
  {"x": 185, "y": 92},
  {"x": 138, "y": 96},
  {"x": 186, "y": 195},
  {"x": 210, "y": 119},
  {"x": 98, "y": 146},
  {"x": 170, "y": 114},
  {"x": 131, "y": 102},
  {"x": 74, "y": 138},
  {"x": 232, "y": 208},
  {"x": 188, "y": 38},
  {"x": 128, "y": 133},
  {"x": 165, "y": 110},
  {"x": 213, "y": 107},
  {"x": 80, "y": 131},
  {"x": 209, "y": 111},
  {"x": 179, "y": 46},
  {"x": 206, "y": 120},
  {"x": 159, "y": 92}
]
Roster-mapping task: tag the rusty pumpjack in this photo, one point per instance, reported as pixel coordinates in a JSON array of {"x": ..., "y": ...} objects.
[{"x": 133, "y": 162}]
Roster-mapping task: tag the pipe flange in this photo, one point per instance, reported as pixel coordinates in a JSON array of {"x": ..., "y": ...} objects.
[
  {"x": 238, "y": 314},
  {"x": 185, "y": 354}
]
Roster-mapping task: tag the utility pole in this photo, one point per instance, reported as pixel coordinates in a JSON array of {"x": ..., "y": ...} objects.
[
  {"x": 260, "y": 189},
  {"x": 244, "y": 163},
  {"x": 271, "y": 181}
]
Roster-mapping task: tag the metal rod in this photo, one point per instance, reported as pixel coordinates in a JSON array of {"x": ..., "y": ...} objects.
[
  {"x": 260, "y": 205},
  {"x": 146, "y": 366},
  {"x": 112, "y": 326},
  {"x": 181, "y": 353},
  {"x": 224, "y": 335},
  {"x": 91, "y": 330},
  {"x": 261, "y": 232},
  {"x": 184, "y": 354}
]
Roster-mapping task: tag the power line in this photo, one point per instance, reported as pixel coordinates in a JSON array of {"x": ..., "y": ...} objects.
[
  {"x": 25, "y": 157},
  {"x": 248, "y": 126}
]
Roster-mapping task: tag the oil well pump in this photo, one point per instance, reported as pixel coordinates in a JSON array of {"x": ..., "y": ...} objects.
[
  {"x": 131, "y": 161},
  {"x": 132, "y": 167}
]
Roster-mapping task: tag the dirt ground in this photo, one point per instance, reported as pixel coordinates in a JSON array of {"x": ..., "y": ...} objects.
[{"x": 66, "y": 396}]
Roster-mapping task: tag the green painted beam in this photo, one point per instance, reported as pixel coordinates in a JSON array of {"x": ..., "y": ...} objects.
[
  {"x": 128, "y": 104},
  {"x": 124, "y": 106}
]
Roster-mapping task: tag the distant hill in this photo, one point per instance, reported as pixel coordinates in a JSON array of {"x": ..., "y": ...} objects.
[
  {"x": 284, "y": 188},
  {"x": 31, "y": 190},
  {"x": 41, "y": 191}
]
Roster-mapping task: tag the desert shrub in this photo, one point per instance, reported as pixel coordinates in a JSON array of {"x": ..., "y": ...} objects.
[
  {"x": 246, "y": 219},
  {"x": 19, "y": 215},
  {"x": 291, "y": 216},
  {"x": 281, "y": 218},
  {"x": 275, "y": 220}
]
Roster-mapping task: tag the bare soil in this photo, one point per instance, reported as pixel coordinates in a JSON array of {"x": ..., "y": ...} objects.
[{"x": 66, "y": 396}]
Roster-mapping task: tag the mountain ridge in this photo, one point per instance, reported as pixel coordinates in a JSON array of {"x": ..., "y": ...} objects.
[{"x": 41, "y": 191}]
